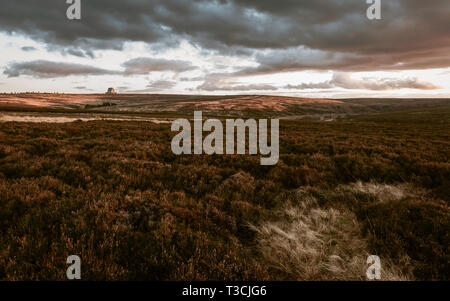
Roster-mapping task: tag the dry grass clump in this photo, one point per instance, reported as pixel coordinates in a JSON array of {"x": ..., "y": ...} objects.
[
  {"x": 383, "y": 192},
  {"x": 307, "y": 242},
  {"x": 404, "y": 223}
]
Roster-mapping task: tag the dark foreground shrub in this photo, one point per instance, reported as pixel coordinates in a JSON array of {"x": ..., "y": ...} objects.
[{"x": 418, "y": 228}]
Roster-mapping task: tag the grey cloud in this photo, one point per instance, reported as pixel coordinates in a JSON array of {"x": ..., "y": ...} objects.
[
  {"x": 237, "y": 87},
  {"x": 344, "y": 80},
  {"x": 83, "y": 88},
  {"x": 79, "y": 52},
  {"x": 415, "y": 33},
  {"x": 191, "y": 79},
  {"x": 122, "y": 88},
  {"x": 223, "y": 82},
  {"x": 104, "y": 25},
  {"x": 28, "y": 48},
  {"x": 161, "y": 85},
  {"x": 299, "y": 59},
  {"x": 138, "y": 66},
  {"x": 146, "y": 65},
  {"x": 155, "y": 86},
  {"x": 48, "y": 69}
]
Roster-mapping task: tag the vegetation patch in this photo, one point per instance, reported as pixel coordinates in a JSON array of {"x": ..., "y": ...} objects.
[{"x": 307, "y": 242}]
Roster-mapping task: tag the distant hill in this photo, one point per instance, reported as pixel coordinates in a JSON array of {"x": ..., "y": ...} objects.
[{"x": 245, "y": 105}]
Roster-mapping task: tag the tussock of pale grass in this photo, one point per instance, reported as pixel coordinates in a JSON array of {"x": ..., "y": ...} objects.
[
  {"x": 312, "y": 243},
  {"x": 383, "y": 192}
]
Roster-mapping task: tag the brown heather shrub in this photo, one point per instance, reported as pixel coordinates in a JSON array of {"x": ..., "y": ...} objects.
[
  {"x": 402, "y": 223},
  {"x": 418, "y": 228}
]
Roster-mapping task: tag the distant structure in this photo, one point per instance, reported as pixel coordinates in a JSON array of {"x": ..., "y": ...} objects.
[{"x": 111, "y": 91}]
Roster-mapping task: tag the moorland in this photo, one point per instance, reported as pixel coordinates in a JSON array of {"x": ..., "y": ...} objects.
[{"x": 355, "y": 177}]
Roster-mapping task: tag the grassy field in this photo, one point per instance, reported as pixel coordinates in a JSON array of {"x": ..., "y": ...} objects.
[{"x": 113, "y": 193}]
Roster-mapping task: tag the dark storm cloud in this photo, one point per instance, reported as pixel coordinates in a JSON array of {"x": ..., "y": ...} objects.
[
  {"x": 144, "y": 65},
  {"x": 48, "y": 69},
  {"x": 298, "y": 59},
  {"x": 412, "y": 34},
  {"x": 344, "y": 80},
  {"x": 104, "y": 24}
]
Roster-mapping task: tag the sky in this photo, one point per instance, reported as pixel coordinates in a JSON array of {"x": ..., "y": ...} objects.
[{"x": 320, "y": 48}]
